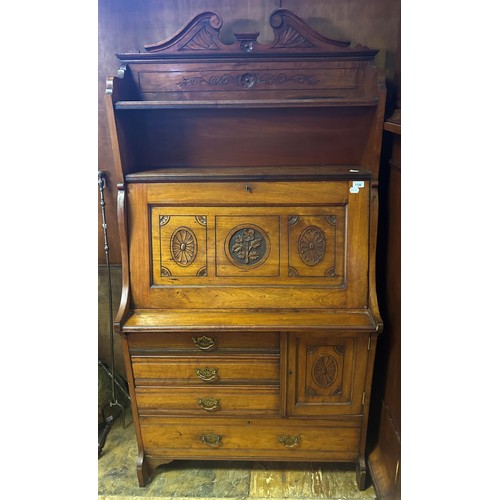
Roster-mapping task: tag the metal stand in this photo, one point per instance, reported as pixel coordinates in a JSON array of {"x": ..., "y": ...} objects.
[{"x": 113, "y": 401}]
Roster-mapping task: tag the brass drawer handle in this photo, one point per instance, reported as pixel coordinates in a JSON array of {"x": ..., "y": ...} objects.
[
  {"x": 209, "y": 404},
  {"x": 207, "y": 374},
  {"x": 289, "y": 441},
  {"x": 204, "y": 343},
  {"x": 213, "y": 440}
]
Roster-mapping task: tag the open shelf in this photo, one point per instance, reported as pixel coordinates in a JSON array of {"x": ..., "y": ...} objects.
[
  {"x": 147, "y": 320},
  {"x": 213, "y": 174},
  {"x": 247, "y": 103}
]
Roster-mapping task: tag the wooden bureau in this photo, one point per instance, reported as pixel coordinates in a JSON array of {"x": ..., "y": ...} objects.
[{"x": 247, "y": 205}]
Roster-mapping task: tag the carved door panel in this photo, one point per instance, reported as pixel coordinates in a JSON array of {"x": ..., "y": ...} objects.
[{"x": 326, "y": 373}]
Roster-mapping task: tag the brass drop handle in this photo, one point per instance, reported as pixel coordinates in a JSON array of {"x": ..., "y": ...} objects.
[
  {"x": 207, "y": 374},
  {"x": 289, "y": 441},
  {"x": 204, "y": 343},
  {"x": 209, "y": 404},
  {"x": 213, "y": 440}
]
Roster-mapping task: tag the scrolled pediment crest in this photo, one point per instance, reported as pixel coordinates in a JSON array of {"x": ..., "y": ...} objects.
[{"x": 201, "y": 35}]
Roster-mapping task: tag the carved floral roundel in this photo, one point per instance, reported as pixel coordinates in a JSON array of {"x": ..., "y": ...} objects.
[{"x": 247, "y": 246}]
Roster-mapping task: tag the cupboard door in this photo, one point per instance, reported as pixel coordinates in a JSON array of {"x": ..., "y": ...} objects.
[{"x": 326, "y": 373}]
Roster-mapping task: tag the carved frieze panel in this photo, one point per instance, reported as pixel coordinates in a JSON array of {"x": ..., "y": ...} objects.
[
  {"x": 316, "y": 245},
  {"x": 246, "y": 80},
  {"x": 179, "y": 245},
  {"x": 256, "y": 246},
  {"x": 262, "y": 79}
]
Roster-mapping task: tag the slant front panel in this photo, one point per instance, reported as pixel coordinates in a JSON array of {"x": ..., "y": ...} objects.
[{"x": 244, "y": 238}]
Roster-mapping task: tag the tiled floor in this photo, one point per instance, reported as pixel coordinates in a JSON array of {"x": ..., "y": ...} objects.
[{"x": 219, "y": 480}]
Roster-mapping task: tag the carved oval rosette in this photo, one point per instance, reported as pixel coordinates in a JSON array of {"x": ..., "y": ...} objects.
[
  {"x": 312, "y": 245},
  {"x": 324, "y": 370},
  {"x": 183, "y": 246}
]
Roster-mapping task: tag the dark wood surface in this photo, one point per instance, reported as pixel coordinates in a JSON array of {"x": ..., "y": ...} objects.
[
  {"x": 385, "y": 447},
  {"x": 128, "y": 25},
  {"x": 293, "y": 255}
]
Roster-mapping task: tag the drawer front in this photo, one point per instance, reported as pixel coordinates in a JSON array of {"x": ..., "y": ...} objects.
[
  {"x": 204, "y": 343},
  {"x": 202, "y": 401},
  {"x": 206, "y": 370},
  {"x": 277, "y": 438}
]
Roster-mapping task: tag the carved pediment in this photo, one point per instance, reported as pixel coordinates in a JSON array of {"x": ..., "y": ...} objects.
[
  {"x": 201, "y": 35},
  {"x": 291, "y": 32}
]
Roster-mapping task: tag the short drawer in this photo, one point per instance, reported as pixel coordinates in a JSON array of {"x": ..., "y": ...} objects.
[
  {"x": 208, "y": 401},
  {"x": 205, "y": 370},
  {"x": 252, "y": 438},
  {"x": 253, "y": 342}
]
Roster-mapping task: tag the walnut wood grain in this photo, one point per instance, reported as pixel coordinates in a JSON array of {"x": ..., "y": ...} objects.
[
  {"x": 252, "y": 438},
  {"x": 177, "y": 369},
  {"x": 172, "y": 320},
  {"x": 241, "y": 342},
  {"x": 262, "y": 207},
  {"x": 248, "y": 209},
  {"x": 212, "y": 401}
]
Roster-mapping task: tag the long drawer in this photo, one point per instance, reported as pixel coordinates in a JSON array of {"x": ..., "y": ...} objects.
[
  {"x": 285, "y": 439},
  {"x": 203, "y": 401},
  {"x": 254, "y": 342},
  {"x": 205, "y": 370}
]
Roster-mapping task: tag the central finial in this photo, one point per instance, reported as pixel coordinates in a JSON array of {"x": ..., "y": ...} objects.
[{"x": 246, "y": 41}]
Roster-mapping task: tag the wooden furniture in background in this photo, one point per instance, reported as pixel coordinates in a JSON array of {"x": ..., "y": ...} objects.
[
  {"x": 247, "y": 205},
  {"x": 385, "y": 447}
]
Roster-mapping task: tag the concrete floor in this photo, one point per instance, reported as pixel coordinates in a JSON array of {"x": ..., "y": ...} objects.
[{"x": 223, "y": 480}]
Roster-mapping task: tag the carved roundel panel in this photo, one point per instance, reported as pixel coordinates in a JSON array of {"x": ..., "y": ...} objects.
[
  {"x": 247, "y": 246},
  {"x": 324, "y": 370},
  {"x": 312, "y": 245},
  {"x": 183, "y": 246}
]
